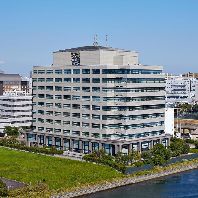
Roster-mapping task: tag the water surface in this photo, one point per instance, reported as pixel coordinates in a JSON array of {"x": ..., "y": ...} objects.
[{"x": 183, "y": 185}]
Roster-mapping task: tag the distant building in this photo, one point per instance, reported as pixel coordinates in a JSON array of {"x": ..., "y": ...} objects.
[
  {"x": 96, "y": 97},
  {"x": 181, "y": 89},
  {"x": 190, "y": 75},
  {"x": 13, "y": 82},
  {"x": 16, "y": 109}
]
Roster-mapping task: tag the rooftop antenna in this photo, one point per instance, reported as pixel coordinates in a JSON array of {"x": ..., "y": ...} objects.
[
  {"x": 106, "y": 40},
  {"x": 95, "y": 43}
]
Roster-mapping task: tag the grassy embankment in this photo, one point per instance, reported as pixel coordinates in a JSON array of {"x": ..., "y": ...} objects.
[{"x": 58, "y": 174}]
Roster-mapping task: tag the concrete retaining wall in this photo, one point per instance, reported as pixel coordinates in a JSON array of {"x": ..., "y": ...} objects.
[{"x": 123, "y": 182}]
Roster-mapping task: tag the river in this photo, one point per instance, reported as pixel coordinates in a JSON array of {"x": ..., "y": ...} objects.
[{"x": 183, "y": 185}]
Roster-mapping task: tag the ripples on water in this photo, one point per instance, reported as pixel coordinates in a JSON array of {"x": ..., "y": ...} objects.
[{"x": 184, "y": 185}]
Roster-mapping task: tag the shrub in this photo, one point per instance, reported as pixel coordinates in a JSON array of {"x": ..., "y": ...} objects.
[{"x": 3, "y": 189}]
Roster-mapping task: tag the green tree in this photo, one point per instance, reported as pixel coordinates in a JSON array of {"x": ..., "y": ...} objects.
[
  {"x": 11, "y": 131},
  {"x": 178, "y": 147}
]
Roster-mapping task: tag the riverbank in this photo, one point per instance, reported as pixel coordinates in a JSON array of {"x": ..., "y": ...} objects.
[{"x": 157, "y": 172}]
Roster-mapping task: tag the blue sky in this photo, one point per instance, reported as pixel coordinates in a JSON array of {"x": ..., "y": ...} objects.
[{"x": 164, "y": 32}]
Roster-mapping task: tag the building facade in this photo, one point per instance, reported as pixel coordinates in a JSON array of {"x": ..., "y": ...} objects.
[
  {"x": 96, "y": 97},
  {"x": 181, "y": 89},
  {"x": 16, "y": 109}
]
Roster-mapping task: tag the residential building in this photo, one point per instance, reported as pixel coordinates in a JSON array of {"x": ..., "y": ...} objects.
[
  {"x": 181, "y": 89},
  {"x": 190, "y": 75},
  {"x": 16, "y": 109},
  {"x": 97, "y": 97}
]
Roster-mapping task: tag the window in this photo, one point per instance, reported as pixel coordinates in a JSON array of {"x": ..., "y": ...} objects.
[
  {"x": 76, "y": 80},
  {"x": 41, "y": 79},
  {"x": 95, "y": 117},
  {"x": 95, "y": 71},
  {"x": 95, "y": 80},
  {"x": 76, "y": 71},
  {"x": 86, "y": 116},
  {"x": 66, "y": 114},
  {"x": 58, "y": 97},
  {"x": 75, "y": 106},
  {"x": 76, "y": 88},
  {"x": 49, "y": 96},
  {"x": 85, "y": 124},
  {"x": 87, "y": 107},
  {"x": 41, "y": 71},
  {"x": 49, "y": 88},
  {"x": 49, "y": 72},
  {"x": 96, "y": 98},
  {"x": 58, "y": 88},
  {"x": 67, "y": 79},
  {"x": 95, "y": 89},
  {"x": 66, "y": 106},
  {"x": 95, "y": 107},
  {"x": 58, "y": 79},
  {"x": 86, "y": 89},
  {"x": 85, "y": 98},
  {"x": 75, "y": 97},
  {"x": 76, "y": 115},
  {"x": 67, "y": 71},
  {"x": 85, "y": 71},
  {"x": 67, "y": 88},
  {"x": 58, "y": 71},
  {"x": 49, "y": 79},
  {"x": 86, "y": 80}
]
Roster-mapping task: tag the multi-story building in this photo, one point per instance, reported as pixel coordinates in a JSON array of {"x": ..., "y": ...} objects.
[
  {"x": 16, "y": 109},
  {"x": 13, "y": 82},
  {"x": 181, "y": 89},
  {"x": 97, "y": 97}
]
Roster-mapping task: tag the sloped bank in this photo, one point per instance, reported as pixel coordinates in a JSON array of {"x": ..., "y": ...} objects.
[{"x": 135, "y": 178}]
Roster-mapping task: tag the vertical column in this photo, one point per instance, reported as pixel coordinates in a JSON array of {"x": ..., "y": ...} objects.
[
  {"x": 71, "y": 144},
  {"x": 151, "y": 144},
  {"x": 139, "y": 147},
  {"x": 53, "y": 140},
  {"x": 90, "y": 147},
  {"x": 81, "y": 146},
  {"x": 129, "y": 148},
  {"x": 62, "y": 143},
  {"x": 38, "y": 139},
  {"x": 100, "y": 146}
]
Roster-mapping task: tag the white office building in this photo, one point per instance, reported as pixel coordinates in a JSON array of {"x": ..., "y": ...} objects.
[
  {"x": 181, "y": 89},
  {"x": 97, "y": 97},
  {"x": 16, "y": 109}
]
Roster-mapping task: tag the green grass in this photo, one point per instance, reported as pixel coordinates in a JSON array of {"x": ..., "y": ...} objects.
[{"x": 56, "y": 172}]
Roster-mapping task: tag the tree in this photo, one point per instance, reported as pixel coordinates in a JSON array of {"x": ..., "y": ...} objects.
[
  {"x": 178, "y": 147},
  {"x": 11, "y": 131}
]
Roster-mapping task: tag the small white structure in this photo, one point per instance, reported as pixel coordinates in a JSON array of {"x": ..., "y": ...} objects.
[{"x": 169, "y": 121}]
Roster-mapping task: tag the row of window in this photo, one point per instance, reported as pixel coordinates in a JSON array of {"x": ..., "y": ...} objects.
[
  {"x": 103, "y": 80},
  {"x": 100, "y": 126},
  {"x": 104, "y": 117},
  {"x": 98, "y": 71},
  {"x": 98, "y": 89},
  {"x": 99, "y": 99}
]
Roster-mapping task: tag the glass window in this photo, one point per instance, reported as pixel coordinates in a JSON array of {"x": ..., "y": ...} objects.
[
  {"x": 58, "y": 71},
  {"x": 58, "y": 79},
  {"x": 95, "y": 71},
  {"x": 67, "y": 71},
  {"x": 49, "y": 79},
  {"x": 85, "y": 71},
  {"x": 49, "y": 72},
  {"x": 95, "y": 80},
  {"x": 41, "y": 71},
  {"x": 86, "y": 80},
  {"x": 76, "y": 80},
  {"x": 67, "y": 79},
  {"x": 76, "y": 71}
]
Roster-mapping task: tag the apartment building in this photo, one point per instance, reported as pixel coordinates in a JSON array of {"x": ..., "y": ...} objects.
[
  {"x": 15, "y": 109},
  {"x": 97, "y": 97},
  {"x": 181, "y": 89}
]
